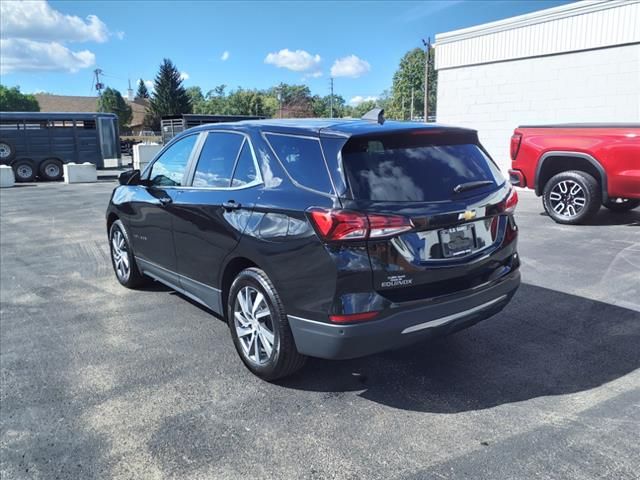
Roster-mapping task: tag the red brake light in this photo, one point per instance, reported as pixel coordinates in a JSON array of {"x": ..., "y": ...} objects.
[
  {"x": 512, "y": 201},
  {"x": 516, "y": 138},
  {"x": 353, "y": 317},
  {"x": 334, "y": 225}
]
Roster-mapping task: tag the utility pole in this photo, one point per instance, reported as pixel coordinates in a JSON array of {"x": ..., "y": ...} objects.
[
  {"x": 331, "y": 102},
  {"x": 411, "y": 109},
  {"x": 427, "y": 54},
  {"x": 98, "y": 86}
]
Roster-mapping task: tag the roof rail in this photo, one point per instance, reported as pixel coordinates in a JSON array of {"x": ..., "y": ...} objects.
[{"x": 374, "y": 115}]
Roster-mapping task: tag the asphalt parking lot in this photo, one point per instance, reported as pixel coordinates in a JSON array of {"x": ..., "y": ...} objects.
[{"x": 102, "y": 382}]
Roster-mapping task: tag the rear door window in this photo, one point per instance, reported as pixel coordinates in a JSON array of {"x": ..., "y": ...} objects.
[
  {"x": 415, "y": 168},
  {"x": 303, "y": 160}
]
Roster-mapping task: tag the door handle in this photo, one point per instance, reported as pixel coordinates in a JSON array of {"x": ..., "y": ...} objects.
[
  {"x": 165, "y": 200},
  {"x": 231, "y": 205}
]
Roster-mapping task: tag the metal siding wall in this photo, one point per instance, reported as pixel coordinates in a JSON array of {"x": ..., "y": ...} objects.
[{"x": 611, "y": 25}]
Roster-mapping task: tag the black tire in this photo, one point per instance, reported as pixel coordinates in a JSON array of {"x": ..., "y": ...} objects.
[
  {"x": 7, "y": 151},
  {"x": 24, "y": 170},
  {"x": 580, "y": 200},
  {"x": 624, "y": 206},
  {"x": 51, "y": 170},
  {"x": 133, "y": 278},
  {"x": 284, "y": 358}
]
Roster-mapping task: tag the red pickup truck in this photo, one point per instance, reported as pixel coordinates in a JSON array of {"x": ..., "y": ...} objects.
[{"x": 578, "y": 167}]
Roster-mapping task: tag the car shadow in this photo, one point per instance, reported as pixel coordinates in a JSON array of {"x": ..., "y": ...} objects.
[
  {"x": 544, "y": 343},
  {"x": 605, "y": 217}
]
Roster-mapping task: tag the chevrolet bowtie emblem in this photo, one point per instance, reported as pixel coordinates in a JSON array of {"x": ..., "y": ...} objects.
[{"x": 467, "y": 215}]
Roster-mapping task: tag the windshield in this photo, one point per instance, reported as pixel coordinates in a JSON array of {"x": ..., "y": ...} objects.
[{"x": 416, "y": 168}]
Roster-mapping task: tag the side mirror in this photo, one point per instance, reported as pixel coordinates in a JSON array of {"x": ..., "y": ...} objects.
[{"x": 130, "y": 177}]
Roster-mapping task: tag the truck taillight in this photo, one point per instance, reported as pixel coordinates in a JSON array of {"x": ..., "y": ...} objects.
[
  {"x": 516, "y": 138},
  {"x": 336, "y": 225}
]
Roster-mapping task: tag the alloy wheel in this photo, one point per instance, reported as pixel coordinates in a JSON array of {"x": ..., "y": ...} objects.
[
  {"x": 120, "y": 255},
  {"x": 253, "y": 324},
  {"x": 567, "y": 198}
]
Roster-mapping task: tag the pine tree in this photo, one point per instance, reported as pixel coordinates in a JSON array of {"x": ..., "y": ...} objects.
[
  {"x": 142, "y": 92},
  {"x": 169, "y": 96}
]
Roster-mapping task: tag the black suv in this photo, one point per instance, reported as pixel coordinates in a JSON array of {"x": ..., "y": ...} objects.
[{"x": 324, "y": 238}]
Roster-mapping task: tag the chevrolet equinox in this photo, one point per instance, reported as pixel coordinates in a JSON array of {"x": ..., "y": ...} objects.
[{"x": 324, "y": 238}]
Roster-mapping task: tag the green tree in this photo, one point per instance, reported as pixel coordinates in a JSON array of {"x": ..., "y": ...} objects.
[
  {"x": 322, "y": 106},
  {"x": 11, "y": 100},
  {"x": 410, "y": 78},
  {"x": 196, "y": 98},
  {"x": 294, "y": 101},
  {"x": 169, "y": 96},
  {"x": 142, "y": 92},
  {"x": 111, "y": 101}
]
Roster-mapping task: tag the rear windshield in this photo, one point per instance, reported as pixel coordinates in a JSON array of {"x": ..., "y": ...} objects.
[{"x": 415, "y": 168}]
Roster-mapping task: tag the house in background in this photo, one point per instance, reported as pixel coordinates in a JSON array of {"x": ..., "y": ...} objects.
[
  {"x": 66, "y": 103},
  {"x": 575, "y": 63}
]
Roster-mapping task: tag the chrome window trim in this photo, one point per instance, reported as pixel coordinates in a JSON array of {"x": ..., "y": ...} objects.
[
  {"x": 247, "y": 139},
  {"x": 296, "y": 183}
]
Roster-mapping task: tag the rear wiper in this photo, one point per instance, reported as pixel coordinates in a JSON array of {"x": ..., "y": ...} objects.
[{"x": 471, "y": 185}]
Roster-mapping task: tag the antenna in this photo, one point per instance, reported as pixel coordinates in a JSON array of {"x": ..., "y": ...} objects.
[{"x": 98, "y": 85}]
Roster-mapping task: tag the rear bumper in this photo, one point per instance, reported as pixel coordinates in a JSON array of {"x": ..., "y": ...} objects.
[{"x": 404, "y": 325}]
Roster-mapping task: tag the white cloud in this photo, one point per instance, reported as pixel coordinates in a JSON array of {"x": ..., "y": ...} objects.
[
  {"x": 316, "y": 74},
  {"x": 34, "y": 37},
  {"x": 225, "y": 56},
  {"x": 29, "y": 56},
  {"x": 298, "y": 61},
  {"x": 350, "y": 66},
  {"x": 36, "y": 20},
  {"x": 149, "y": 84},
  {"x": 358, "y": 99},
  {"x": 184, "y": 76}
]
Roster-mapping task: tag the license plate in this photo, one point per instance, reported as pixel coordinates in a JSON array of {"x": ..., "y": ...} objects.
[{"x": 458, "y": 240}]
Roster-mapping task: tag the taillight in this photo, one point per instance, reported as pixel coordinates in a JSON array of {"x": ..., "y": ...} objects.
[
  {"x": 516, "y": 138},
  {"x": 336, "y": 225},
  {"x": 511, "y": 202}
]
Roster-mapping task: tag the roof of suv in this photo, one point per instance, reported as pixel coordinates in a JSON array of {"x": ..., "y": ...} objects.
[{"x": 344, "y": 127}]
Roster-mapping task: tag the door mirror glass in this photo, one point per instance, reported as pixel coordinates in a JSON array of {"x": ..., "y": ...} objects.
[{"x": 130, "y": 177}]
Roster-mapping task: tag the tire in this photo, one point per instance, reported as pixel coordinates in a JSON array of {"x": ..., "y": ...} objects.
[
  {"x": 122, "y": 259},
  {"x": 51, "y": 170},
  {"x": 24, "y": 170},
  {"x": 7, "y": 151},
  {"x": 626, "y": 205},
  {"x": 269, "y": 363},
  {"x": 572, "y": 197}
]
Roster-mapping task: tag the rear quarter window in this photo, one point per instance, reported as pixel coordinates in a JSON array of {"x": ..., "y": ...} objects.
[
  {"x": 415, "y": 168},
  {"x": 303, "y": 160}
]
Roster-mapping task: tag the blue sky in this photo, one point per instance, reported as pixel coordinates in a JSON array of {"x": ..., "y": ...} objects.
[{"x": 55, "y": 46}]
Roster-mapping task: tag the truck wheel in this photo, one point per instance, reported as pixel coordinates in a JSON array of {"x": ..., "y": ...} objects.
[
  {"x": 24, "y": 171},
  {"x": 259, "y": 327},
  {"x": 51, "y": 170},
  {"x": 572, "y": 197},
  {"x": 7, "y": 151},
  {"x": 624, "y": 206}
]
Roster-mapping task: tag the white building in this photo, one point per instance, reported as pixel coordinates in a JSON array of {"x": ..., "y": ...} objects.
[{"x": 574, "y": 63}]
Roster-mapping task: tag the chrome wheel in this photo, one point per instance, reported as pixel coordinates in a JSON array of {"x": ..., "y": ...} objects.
[
  {"x": 254, "y": 328},
  {"x": 567, "y": 198},
  {"x": 120, "y": 255},
  {"x": 24, "y": 171},
  {"x": 5, "y": 151}
]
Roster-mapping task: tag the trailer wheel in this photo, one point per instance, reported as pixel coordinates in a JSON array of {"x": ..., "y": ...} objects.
[
  {"x": 51, "y": 170},
  {"x": 7, "y": 151},
  {"x": 24, "y": 170}
]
